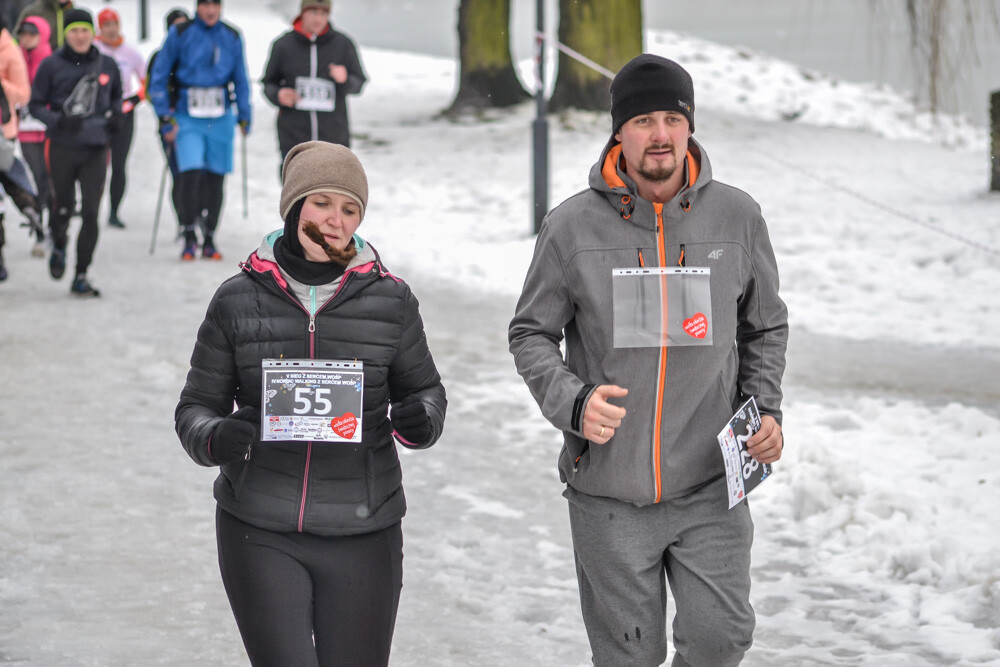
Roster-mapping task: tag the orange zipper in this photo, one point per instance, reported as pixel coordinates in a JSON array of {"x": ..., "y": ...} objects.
[{"x": 661, "y": 385}]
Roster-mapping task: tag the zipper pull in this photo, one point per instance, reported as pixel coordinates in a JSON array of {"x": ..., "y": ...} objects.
[
  {"x": 312, "y": 324},
  {"x": 680, "y": 260},
  {"x": 246, "y": 457}
]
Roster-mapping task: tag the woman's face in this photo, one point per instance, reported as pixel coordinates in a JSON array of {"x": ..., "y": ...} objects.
[{"x": 337, "y": 216}]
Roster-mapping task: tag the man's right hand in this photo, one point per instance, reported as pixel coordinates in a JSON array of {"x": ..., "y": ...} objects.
[
  {"x": 601, "y": 418},
  {"x": 287, "y": 97}
]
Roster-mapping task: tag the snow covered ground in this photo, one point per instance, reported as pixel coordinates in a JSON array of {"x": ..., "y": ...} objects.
[{"x": 877, "y": 538}]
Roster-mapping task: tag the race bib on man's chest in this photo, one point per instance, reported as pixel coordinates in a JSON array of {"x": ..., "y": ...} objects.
[
  {"x": 206, "y": 102},
  {"x": 660, "y": 307},
  {"x": 309, "y": 399},
  {"x": 315, "y": 94}
]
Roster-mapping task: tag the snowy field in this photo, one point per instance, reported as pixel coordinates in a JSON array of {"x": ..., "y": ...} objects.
[{"x": 877, "y": 542}]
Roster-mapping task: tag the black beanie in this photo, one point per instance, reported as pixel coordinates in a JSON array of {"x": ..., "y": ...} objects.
[
  {"x": 76, "y": 18},
  {"x": 650, "y": 83}
]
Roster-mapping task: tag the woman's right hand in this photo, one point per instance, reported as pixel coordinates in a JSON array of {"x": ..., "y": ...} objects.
[{"x": 232, "y": 438}]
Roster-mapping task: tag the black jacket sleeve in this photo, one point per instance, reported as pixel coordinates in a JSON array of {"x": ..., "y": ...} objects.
[
  {"x": 210, "y": 388},
  {"x": 412, "y": 373}
]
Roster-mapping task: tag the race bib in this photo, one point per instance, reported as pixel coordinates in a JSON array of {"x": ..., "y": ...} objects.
[
  {"x": 315, "y": 94},
  {"x": 308, "y": 399},
  {"x": 662, "y": 307},
  {"x": 206, "y": 102}
]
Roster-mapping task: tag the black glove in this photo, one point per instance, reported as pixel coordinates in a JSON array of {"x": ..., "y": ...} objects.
[
  {"x": 410, "y": 420},
  {"x": 70, "y": 124},
  {"x": 232, "y": 438}
]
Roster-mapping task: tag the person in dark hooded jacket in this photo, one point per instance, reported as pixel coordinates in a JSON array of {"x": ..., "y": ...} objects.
[
  {"x": 309, "y": 74},
  {"x": 77, "y": 94},
  {"x": 309, "y": 492}
]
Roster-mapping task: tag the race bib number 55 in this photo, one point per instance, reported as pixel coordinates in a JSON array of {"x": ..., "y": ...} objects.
[{"x": 308, "y": 399}]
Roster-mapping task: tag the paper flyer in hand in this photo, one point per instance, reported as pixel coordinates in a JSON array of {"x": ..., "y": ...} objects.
[{"x": 743, "y": 473}]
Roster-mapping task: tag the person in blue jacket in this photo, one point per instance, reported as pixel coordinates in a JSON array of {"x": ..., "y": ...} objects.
[{"x": 205, "y": 57}]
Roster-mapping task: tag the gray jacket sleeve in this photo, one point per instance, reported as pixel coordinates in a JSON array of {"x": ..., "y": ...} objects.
[
  {"x": 762, "y": 328},
  {"x": 536, "y": 331}
]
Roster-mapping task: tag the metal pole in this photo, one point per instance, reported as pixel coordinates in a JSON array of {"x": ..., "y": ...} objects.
[
  {"x": 143, "y": 20},
  {"x": 995, "y": 140},
  {"x": 540, "y": 126},
  {"x": 243, "y": 150},
  {"x": 159, "y": 199}
]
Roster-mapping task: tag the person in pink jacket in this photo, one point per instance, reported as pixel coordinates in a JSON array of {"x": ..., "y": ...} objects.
[
  {"x": 33, "y": 36},
  {"x": 16, "y": 92}
]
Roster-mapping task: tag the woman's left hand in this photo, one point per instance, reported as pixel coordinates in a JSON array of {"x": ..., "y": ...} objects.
[{"x": 409, "y": 419}]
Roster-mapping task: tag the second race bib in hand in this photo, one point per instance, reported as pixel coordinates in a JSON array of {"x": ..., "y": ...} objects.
[
  {"x": 314, "y": 94},
  {"x": 309, "y": 399}
]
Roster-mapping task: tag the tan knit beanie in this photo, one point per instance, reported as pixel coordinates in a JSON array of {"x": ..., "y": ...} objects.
[{"x": 319, "y": 166}]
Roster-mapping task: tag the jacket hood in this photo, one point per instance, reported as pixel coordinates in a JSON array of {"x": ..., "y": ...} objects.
[
  {"x": 608, "y": 176},
  {"x": 44, "y": 31}
]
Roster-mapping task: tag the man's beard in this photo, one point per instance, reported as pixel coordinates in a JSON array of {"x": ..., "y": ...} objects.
[{"x": 659, "y": 173}]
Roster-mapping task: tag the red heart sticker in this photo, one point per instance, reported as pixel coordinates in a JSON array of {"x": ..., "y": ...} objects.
[
  {"x": 697, "y": 325},
  {"x": 103, "y": 78},
  {"x": 345, "y": 426}
]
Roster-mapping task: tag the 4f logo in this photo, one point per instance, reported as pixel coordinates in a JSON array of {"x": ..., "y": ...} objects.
[{"x": 715, "y": 254}]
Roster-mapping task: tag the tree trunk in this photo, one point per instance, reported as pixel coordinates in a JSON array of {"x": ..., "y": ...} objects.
[
  {"x": 486, "y": 70},
  {"x": 609, "y": 32}
]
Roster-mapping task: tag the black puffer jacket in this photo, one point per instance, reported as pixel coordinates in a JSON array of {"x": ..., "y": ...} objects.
[
  {"x": 55, "y": 80},
  {"x": 320, "y": 488}
]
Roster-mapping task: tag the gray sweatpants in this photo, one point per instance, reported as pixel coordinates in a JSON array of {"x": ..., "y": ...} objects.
[{"x": 626, "y": 555}]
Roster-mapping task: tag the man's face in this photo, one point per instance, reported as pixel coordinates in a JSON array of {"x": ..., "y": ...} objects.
[
  {"x": 209, "y": 12},
  {"x": 80, "y": 39},
  {"x": 654, "y": 146},
  {"x": 109, "y": 31},
  {"x": 315, "y": 19}
]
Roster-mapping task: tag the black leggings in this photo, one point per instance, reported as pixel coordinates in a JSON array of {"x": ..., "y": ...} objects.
[
  {"x": 309, "y": 600},
  {"x": 121, "y": 142},
  {"x": 68, "y": 165},
  {"x": 206, "y": 203}
]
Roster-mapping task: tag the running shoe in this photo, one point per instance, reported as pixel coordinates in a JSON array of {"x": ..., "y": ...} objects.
[
  {"x": 82, "y": 287},
  {"x": 57, "y": 263}
]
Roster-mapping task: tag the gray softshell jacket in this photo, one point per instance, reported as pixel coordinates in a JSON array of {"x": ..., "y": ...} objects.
[{"x": 680, "y": 397}]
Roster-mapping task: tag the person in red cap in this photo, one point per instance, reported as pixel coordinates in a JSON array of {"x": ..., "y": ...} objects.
[
  {"x": 133, "y": 71},
  {"x": 311, "y": 70}
]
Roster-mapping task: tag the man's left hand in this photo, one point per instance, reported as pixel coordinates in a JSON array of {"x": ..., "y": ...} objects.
[{"x": 765, "y": 445}]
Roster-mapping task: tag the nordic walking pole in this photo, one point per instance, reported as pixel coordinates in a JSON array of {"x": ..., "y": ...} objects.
[
  {"x": 244, "y": 151},
  {"x": 159, "y": 199}
]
